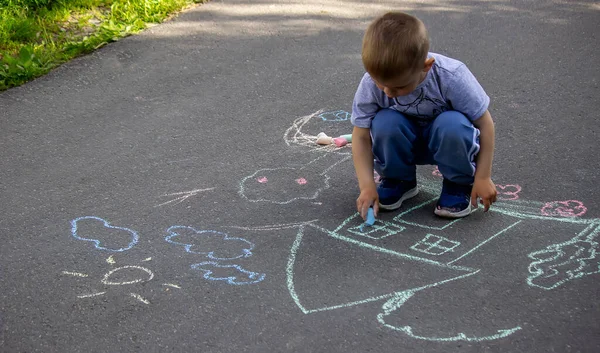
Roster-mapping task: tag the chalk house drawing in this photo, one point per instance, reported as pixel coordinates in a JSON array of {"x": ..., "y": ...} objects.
[{"x": 436, "y": 254}]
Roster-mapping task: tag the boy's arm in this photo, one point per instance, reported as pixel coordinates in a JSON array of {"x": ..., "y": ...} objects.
[
  {"x": 483, "y": 186},
  {"x": 363, "y": 164}
]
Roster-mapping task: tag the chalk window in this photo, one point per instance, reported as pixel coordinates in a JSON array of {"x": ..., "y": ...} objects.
[
  {"x": 435, "y": 245},
  {"x": 377, "y": 231}
]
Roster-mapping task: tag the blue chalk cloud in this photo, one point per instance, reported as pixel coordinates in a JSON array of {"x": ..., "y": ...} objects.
[
  {"x": 214, "y": 245},
  {"x": 235, "y": 274},
  {"x": 115, "y": 245}
]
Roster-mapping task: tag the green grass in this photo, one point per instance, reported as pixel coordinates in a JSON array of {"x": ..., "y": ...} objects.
[{"x": 38, "y": 35}]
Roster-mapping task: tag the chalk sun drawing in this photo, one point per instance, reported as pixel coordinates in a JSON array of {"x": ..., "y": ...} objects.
[
  {"x": 121, "y": 276},
  {"x": 129, "y": 236},
  {"x": 238, "y": 277},
  {"x": 214, "y": 245}
]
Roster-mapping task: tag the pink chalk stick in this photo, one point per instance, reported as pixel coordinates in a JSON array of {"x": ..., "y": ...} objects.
[{"x": 340, "y": 141}]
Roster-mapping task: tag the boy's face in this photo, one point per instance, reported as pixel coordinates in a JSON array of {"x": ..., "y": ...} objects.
[{"x": 404, "y": 84}]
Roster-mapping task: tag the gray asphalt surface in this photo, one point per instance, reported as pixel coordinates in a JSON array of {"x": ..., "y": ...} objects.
[{"x": 164, "y": 194}]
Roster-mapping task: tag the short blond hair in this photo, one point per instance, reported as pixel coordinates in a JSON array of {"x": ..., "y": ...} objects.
[{"x": 394, "y": 44}]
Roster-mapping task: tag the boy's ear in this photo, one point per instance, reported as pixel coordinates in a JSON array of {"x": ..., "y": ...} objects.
[{"x": 428, "y": 64}]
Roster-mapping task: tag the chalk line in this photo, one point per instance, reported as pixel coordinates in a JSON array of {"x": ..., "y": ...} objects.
[
  {"x": 182, "y": 196},
  {"x": 143, "y": 269},
  {"x": 90, "y": 295},
  {"x": 485, "y": 241},
  {"x": 140, "y": 298},
  {"x": 74, "y": 274},
  {"x": 171, "y": 285}
]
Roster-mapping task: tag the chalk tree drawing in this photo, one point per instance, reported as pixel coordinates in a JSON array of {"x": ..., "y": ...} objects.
[
  {"x": 231, "y": 274},
  {"x": 104, "y": 235},
  {"x": 430, "y": 248},
  {"x": 121, "y": 276},
  {"x": 560, "y": 263}
]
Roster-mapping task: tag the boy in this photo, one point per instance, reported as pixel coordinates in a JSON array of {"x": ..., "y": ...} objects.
[{"x": 415, "y": 107}]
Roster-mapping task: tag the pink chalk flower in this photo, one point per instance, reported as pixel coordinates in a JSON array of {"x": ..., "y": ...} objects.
[
  {"x": 569, "y": 208},
  {"x": 301, "y": 181}
]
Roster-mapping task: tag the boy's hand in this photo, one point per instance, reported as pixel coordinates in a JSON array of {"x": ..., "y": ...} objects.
[
  {"x": 367, "y": 198},
  {"x": 485, "y": 189}
]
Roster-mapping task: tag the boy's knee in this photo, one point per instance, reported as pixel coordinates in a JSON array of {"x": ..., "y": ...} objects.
[
  {"x": 389, "y": 122},
  {"x": 452, "y": 124}
]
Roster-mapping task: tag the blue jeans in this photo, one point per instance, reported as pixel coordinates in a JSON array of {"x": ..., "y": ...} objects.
[{"x": 401, "y": 143}]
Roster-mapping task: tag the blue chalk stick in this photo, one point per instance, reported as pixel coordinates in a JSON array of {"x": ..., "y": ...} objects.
[{"x": 370, "y": 217}]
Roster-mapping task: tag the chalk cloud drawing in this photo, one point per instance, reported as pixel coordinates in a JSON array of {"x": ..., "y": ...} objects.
[
  {"x": 104, "y": 235},
  {"x": 508, "y": 192},
  {"x": 569, "y": 208},
  {"x": 214, "y": 245},
  {"x": 231, "y": 274},
  {"x": 121, "y": 276}
]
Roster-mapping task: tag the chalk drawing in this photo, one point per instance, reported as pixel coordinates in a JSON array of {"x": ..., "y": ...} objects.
[
  {"x": 144, "y": 274},
  {"x": 551, "y": 267},
  {"x": 435, "y": 245},
  {"x": 336, "y": 115},
  {"x": 296, "y": 135},
  {"x": 74, "y": 274},
  {"x": 140, "y": 298},
  {"x": 284, "y": 186},
  {"x": 182, "y": 196},
  {"x": 400, "y": 298},
  {"x": 508, "y": 192},
  {"x": 378, "y": 230},
  {"x": 130, "y": 235},
  {"x": 122, "y": 276},
  {"x": 275, "y": 226},
  {"x": 171, "y": 285},
  {"x": 201, "y": 242},
  {"x": 262, "y": 179},
  {"x": 569, "y": 208},
  {"x": 90, "y": 295},
  {"x": 560, "y": 263},
  {"x": 240, "y": 277}
]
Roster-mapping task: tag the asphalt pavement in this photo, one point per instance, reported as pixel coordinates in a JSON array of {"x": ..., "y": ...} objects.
[{"x": 165, "y": 193}]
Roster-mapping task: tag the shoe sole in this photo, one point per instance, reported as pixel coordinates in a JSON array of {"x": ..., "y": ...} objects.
[
  {"x": 396, "y": 205},
  {"x": 448, "y": 214}
]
